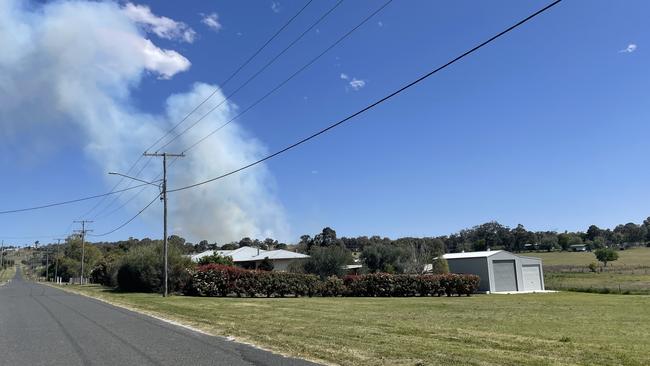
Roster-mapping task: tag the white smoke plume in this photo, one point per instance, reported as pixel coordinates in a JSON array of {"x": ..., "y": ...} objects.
[{"x": 71, "y": 66}]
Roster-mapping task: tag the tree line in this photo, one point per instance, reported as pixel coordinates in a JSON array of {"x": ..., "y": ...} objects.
[{"x": 138, "y": 260}]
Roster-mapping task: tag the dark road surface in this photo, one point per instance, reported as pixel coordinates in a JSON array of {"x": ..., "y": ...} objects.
[{"x": 40, "y": 325}]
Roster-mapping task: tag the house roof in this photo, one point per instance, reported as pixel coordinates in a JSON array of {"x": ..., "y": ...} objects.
[
  {"x": 247, "y": 254},
  {"x": 482, "y": 254}
]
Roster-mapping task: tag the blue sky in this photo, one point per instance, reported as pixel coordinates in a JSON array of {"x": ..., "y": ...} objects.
[{"x": 546, "y": 127}]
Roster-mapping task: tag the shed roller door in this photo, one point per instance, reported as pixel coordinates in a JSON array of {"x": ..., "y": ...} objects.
[
  {"x": 505, "y": 278},
  {"x": 532, "y": 278}
]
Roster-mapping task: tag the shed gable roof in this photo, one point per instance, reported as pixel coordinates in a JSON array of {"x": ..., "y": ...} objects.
[{"x": 481, "y": 254}]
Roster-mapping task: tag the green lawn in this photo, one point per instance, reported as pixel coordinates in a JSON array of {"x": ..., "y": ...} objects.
[{"x": 532, "y": 329}]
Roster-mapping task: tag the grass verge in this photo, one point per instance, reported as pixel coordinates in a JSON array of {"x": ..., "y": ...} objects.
[
  {"x": 7, "y": 274},
  {"x": 531, "y": 329}
]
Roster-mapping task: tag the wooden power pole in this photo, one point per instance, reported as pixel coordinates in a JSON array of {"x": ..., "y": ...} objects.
[
  {"x": 163, "y": 197},
  {"x": 82, "y": 232},
  {"x": 56, "y": 263}
]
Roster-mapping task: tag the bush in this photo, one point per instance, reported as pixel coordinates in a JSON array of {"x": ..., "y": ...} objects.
[
  {"x": 593, "y": 266},
  {"x": 220, "y": 280},
  {"x": 332, "y": 286},
  {"x": 141, "y": 270},
  {"x": 439, "y": 266},
  {"x": 327, "y": 261},
  {"x": 265, "y": 265},
  {"x": 216, "y": 259}
]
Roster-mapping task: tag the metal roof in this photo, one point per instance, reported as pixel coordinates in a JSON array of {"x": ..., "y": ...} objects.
[
  {"x": 246, "y": 254},
  {"x": 482, "y": 254}
]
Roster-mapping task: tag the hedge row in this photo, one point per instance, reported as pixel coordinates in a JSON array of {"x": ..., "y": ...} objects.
[{"x": 220, "y": 280}]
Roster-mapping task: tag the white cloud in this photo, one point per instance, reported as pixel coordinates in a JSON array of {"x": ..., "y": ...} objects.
[
  {"x": 357, "y": 84},
  {"x": 344, "y": 76},
  {"x": 167, "y": 63},
  {"x": 82, "y": 95},
  {"x": 275, "y": 6},
  {"x": 212, "y": 21},
  {"x": 630, "y": 48},
  {"x": 163, "y": 27}
]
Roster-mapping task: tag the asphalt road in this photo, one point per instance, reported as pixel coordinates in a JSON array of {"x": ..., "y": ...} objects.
[{"x": 41, "y": 325}]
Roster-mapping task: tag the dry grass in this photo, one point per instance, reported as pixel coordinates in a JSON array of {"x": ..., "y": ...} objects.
[
  {"x": 533, "y": 329},
  {"x": 7, "y": 274}
]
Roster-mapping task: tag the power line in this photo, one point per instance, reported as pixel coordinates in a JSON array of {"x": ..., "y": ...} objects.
[
  {"x": 70, "y": 201},
  {"x": 116, "y": 198},
  {"x": 376, "y": 103},
  {"x": 346, "y": 35},
  {"x": 407, "y": 86},
  {"x": 232, "y": 75},
  {"x": 129, "y": 220},
  {"x": 228, "y": 97},
  {"x": 31, "y": 237},
  {"x": 269, "y": 63}
]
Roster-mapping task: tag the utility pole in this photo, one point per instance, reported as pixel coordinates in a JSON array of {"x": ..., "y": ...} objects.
[
  {"x": 56, "y": 263},
  {"x": 47, "y": 265},
  {"x": 83, "y": 232},
  {"x": 163, "y": 197}
]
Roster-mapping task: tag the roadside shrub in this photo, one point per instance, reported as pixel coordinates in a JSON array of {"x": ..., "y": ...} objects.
[
  {"x": 220, "y": 280},
  {"x": 429, "y": 285},
  {"x": 141, "y": 270},
  {"x": 332, "y": 287}
]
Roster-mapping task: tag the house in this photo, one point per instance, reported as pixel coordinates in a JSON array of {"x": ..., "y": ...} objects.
[
  {"x": 249, "y": 257},
  {"x": 499, "y": 270},
  {"x": 578, "y": 248}
]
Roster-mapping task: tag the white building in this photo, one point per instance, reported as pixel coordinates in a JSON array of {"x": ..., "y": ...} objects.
[
  {"x": 251, "y": 257},
  {"x": 500, "y": 271}
]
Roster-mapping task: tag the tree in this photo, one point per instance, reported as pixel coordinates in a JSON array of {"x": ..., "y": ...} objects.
[
  {"x": 202, "y": 246},
  {"x": 328, "y": 261},
  {"x": 606, "y": 255},
  {"x": 265, "y": 265},
  {"x": 246, "y": 242},
  {"x": 439, "y": 266},
  {"x": 270, "y": 244},
  {"x": 593, "y": 232},
  {"x": 230, "y": 246},
  {"x": 326, "y": 238},
  {"x": 383, "y": 258},
  {"x": 549, "y": 243}
]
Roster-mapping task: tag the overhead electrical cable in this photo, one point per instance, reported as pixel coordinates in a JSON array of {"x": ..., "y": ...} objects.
[
  {"x": 69, "y": 201},
  {"x": 129, "y": 220},
  {"x": 255, "y": 75},
  {"x": 376, "y": 103},
  {"x": 280, "y": 85},
  {"x": 387, "y": 97},
  {"x": 228, "y": 97},
  {"x": 228, "y": 79}
]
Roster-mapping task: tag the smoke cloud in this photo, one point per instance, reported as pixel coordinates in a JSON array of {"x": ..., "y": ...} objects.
[{"x": 71, "y": 65}]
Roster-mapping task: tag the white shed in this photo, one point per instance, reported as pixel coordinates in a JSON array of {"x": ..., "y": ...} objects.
[{"x": 500, "y": 271}]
